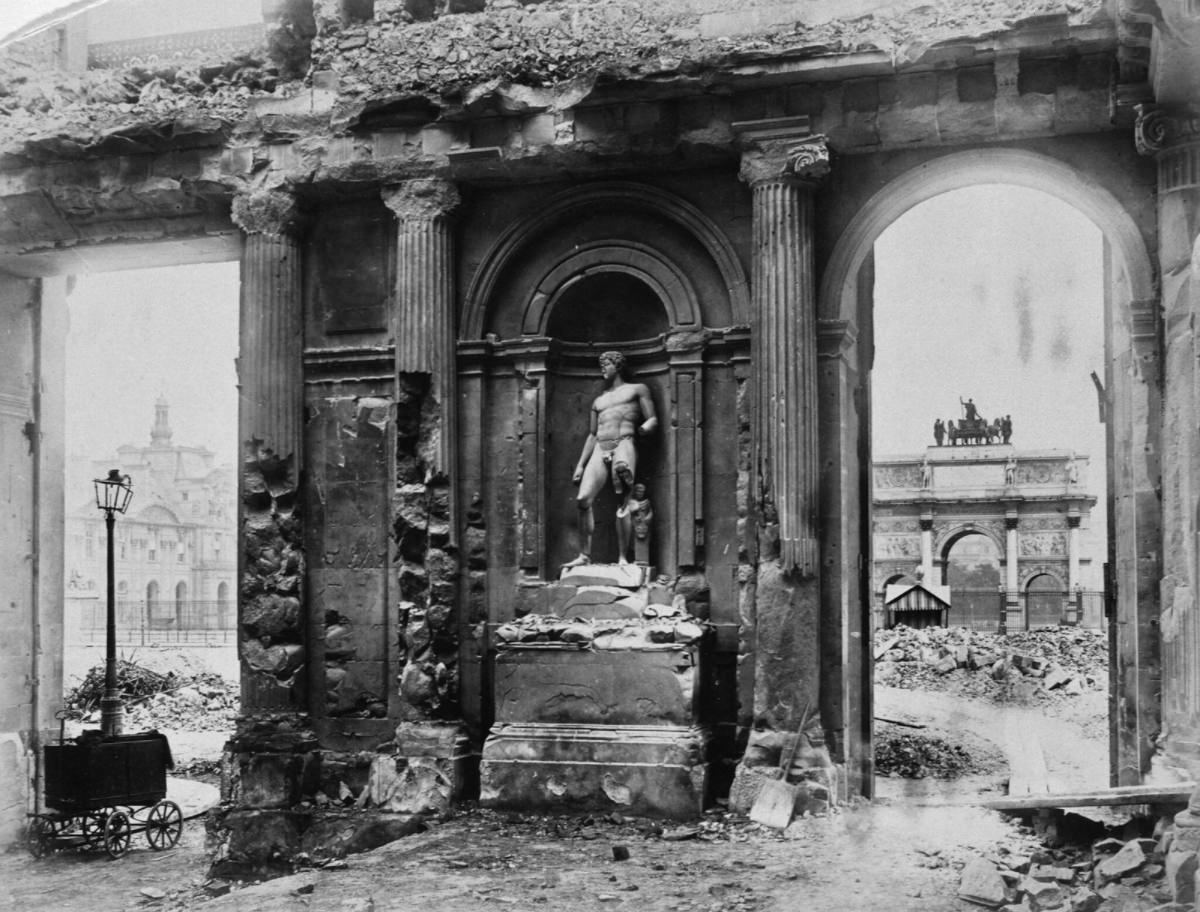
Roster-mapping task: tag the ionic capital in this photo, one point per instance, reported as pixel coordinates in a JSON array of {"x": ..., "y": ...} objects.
[
  {"x": 1158, "y": 128},
  {"x": 805, "y": 160},
  {"x": 783, "y": 148},
  {"x": 274, "y": 213},
  {"x": 421, "y": 198}
]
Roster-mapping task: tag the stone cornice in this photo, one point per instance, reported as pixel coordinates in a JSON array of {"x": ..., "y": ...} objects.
[
  {"x": 421, "y": 198},
  {"x": 1159, "y": 129},
  {"x": 781, "y": 149},
  {"x": 274, "y": 213}
]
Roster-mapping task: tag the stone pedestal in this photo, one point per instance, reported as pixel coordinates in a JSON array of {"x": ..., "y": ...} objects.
[{"x": 597, "y": 704}]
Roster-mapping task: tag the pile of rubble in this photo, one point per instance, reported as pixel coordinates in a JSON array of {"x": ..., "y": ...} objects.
[
  {"x": 917, "y": 756},
  {"x": 1028, "y": 665},
  {"x": 1136, "y": 875},
  {"x": 189, "y": 701},
  {"x": 613, "y": 618}
]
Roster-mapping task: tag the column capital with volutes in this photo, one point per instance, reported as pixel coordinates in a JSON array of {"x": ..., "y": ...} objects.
[
  {"x": 273, "y": 213},
  {"x": 422, "y": 199},
  {"x": 782, "y": 149}
]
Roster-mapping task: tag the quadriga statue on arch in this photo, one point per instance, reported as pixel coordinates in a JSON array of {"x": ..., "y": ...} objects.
[{"x": 620, "y": 414}]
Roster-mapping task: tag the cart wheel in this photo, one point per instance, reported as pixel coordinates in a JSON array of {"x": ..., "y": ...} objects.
[
  {"x": 39, "y": 836},
  {"x": 91, "y": 827},
  {"x": 117, "y": 833},
  {"x": 164, "y": 823}
]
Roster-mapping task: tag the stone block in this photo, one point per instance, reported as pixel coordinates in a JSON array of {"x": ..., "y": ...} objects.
[
  {"x": 597, "y": 687},
  {"x": 268, "y": 780},
  {"x": 657, "y": 772},
  {"x": 1181, "y": 869},
  {"x": 981, "y": 883},
  {"x": 420, "y": 785},
  {"x": 1126, "y": 861},
  {"x": 254, "y": 841},
  {"x": 339, "y": 834},
  {"x": 625, "y": 576}
]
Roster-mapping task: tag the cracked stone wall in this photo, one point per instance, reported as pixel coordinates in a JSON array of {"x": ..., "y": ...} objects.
[
  {"x": 271, "y": 626},
  {"x": 426, "y": 561}
]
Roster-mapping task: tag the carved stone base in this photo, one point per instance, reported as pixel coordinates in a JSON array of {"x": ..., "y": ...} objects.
[
  {"x": 639, "y": 770},
  {"x": 626, "y": 576}
]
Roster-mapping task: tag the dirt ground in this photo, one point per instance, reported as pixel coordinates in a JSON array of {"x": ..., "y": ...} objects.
[
  {"x": 886, "y": 855},
  {"x": 902, "y": 852}
]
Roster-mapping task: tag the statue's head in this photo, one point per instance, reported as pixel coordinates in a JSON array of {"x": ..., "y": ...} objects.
[{"x": 616, "y": 359}]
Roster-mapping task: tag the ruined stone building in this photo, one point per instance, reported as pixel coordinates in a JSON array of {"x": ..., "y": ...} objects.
[
  {"x": 444, "y": 210},
  {"x": 174, "y": 553}
]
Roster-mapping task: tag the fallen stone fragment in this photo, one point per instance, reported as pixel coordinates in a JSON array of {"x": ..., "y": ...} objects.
[
  {"x": 1086, "y": 900},
  {"x": 678, "y": 834},
  {"x": 981, "y": 883},
  {"x": 620, "y": 853},
  {"x": 153, "y": 893},
  {"x": 1044, "y": 894},
  {"x": 1126, "y": 861}
]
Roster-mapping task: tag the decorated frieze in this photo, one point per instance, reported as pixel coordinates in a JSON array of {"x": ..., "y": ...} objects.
[
  {"x": 897, "y": 546},
  {"x": 1042, "y": 471},
  {"x": 1042, "y": 544},
  {"x": 898, "y": 476}
]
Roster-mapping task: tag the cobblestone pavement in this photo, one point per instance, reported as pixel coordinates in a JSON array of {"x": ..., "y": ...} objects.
[{"x": 893, "y": 857}]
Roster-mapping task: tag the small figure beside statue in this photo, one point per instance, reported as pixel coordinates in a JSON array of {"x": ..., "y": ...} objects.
[{"x": 972, "y": 428}]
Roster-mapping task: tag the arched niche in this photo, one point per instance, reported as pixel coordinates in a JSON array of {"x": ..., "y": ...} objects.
[{"x": 604, "y": 266}]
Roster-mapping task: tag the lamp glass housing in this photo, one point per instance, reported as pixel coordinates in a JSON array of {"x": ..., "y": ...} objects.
[{"x": 114, "y": 492}]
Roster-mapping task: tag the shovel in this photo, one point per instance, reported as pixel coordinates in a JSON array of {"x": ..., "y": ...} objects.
[{"x": 776, "y": 802}]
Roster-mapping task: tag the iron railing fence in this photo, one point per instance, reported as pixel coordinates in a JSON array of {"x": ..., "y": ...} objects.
[{"x": 164, "y": 621}]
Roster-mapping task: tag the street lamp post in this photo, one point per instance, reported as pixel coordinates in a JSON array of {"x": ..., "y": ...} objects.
[{"x": 113, "y": 494}]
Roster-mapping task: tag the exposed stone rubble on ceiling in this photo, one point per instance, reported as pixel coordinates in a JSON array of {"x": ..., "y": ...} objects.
[{"x": 459, "y": 58}]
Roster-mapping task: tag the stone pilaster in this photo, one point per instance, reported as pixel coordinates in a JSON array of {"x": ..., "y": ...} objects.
[
  {"x": 270, "y": 427},
  {"x": 1172, "y": 137},
  {"x": 782, "y": 165},
  {"x": 426, "y": 518},
  {"x": 1012, "y": 573},
  {"x": 927, "y": 549},
  {"x": 425, "y": 324}
]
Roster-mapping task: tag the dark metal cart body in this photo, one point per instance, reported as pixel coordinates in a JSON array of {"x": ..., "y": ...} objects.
[{"x": 102, "y": 790}]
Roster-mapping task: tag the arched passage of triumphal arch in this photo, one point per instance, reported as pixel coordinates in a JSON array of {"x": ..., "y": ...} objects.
[
  {"x": 1107, "y": 192},
  {"x": 608, "y": 265}
]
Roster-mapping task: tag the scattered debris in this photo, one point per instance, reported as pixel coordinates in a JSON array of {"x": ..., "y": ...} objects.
[
  {"x": 190, "y": 700},
  {"x": 1036, "y": 665},
  {"x": 920, "y": 756}
]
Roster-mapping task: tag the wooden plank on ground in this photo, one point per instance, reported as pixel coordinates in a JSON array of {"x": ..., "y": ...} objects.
[{"x": 1176, "y": 793}]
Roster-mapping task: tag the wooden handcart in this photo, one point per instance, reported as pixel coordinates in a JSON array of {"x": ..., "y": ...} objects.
[{"x": 102, "y": 791}]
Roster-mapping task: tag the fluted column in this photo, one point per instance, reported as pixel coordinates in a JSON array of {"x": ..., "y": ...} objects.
[
  {"x": 425, "y": 324},
  {"x": 1169, "y": 637},
  {"x": 272, "y": 330},
  {"x": 782, "y": 170},
  {"x": 270, "y": 430},
  {"x": 1012, "y": 574}
]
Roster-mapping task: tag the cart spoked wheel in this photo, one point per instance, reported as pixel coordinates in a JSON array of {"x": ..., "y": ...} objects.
[
  {"x": 39, "y": 836},
  {"x": 91, "y": 827},
  {"x": 117, "y": 833},
  {"x": 164, "y": 823}
]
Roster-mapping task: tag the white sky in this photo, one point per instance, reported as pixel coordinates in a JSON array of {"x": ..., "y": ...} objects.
[
  {"x": 141, "y": 334},
  {"x": 16, "y": 13},
  {"x": 993, "y": 293}
]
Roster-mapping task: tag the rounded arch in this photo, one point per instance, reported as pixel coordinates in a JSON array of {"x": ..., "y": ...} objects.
[
  {"x": 839, "y": 294},
  {"x": 674, "y": 292},
  {"x": 622, "y": 194},
  {"x": 1041, "y": 578},
  {"x": 152, "y": 591},
  {"x": 946, "y": 538}
]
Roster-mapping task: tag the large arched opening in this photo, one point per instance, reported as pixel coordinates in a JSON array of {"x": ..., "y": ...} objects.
[{"x": 848, "y": 307}]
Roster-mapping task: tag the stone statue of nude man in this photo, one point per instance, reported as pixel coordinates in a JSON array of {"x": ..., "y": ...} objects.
[{"x": 622, "y": 412}]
